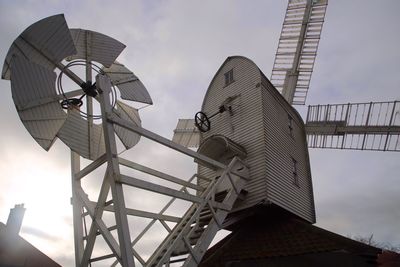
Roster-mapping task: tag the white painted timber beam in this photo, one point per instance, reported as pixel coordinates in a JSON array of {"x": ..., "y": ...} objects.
[
  {"x": 103, "y": 83},
  {"x": 162, "y": 140},
  {"x": 91, "y": 167},
  {"x": 98, "y": 213},
  {"x": 128, "y": 180},
  {"x": 158, "y": 174},
  {"x": 77, "y": 209},
  {"x": 144, "y": 214},
  {"x": 339, "y": 129},
  {"x": 112, "y": 243}
]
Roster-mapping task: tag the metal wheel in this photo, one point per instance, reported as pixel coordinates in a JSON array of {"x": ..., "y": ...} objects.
[{"x": 202, "y": 122}]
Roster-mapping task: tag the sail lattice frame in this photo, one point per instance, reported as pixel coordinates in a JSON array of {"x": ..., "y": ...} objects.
[
  {"x": 356, "y": 126},
  {"x": 297, "y": 48}
]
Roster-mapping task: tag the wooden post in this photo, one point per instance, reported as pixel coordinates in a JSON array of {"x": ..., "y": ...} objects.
[{"x": 104, "y": 86}]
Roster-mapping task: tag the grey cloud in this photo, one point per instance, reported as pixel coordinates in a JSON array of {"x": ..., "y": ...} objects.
[
  {"x": 42, "y": 234},
  {"x": 357, "y": 60},
  {"x": 359, "y": 197}
]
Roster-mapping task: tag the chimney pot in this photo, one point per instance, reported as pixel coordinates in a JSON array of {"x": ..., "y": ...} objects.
[{"x": 15, "y": 218}]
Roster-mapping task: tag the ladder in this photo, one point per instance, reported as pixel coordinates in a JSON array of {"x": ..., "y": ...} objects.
[{"x": 190, "y": 238}]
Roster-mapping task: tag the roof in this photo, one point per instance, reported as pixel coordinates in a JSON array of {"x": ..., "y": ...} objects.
[
  {"x": 16, "y": 251},
  {"x": 269, "y": 236},
  {"x": 389, "y": 259}
]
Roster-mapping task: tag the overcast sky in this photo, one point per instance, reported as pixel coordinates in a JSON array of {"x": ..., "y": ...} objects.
[{"x": 175, "y": 48}]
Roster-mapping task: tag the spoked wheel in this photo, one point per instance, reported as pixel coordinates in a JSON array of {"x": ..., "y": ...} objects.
[{"x": 202, "y": 122}]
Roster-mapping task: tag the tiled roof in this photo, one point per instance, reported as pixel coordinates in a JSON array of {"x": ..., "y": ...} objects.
[
  {"x": 271, "y": 234},
  {"x": 16, "y": 251},
  {"x": 389, "y": 259}
]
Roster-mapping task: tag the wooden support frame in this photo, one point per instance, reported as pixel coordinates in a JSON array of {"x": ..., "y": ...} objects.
[
  {"x": 158, "y": 174},
  {"x": 104, "y": 85},
  {"x": 77, "y": 208},
  {"x": 123, "y": 248}
]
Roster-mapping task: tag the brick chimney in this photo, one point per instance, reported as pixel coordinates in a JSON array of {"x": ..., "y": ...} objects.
[{"x": 14, "y": 220}]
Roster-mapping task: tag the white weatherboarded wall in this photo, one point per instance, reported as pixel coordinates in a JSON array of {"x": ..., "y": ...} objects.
[
  {"x": 282, "y": 146},
  {"x": 259, "y": 122}
]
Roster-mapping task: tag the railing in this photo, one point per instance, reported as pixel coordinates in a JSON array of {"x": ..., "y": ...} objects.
[
  {"x": 191, "y": 235},
  {"x": 201, "y": 198}
]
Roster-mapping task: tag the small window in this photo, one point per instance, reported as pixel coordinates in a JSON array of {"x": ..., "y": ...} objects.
[
  {"x": 290, "y": 125},
  {"x": 229, "y": 77},
  {"x": 294, "y": 171}
]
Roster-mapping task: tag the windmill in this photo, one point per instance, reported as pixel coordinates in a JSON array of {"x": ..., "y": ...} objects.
[
  {"x": 35, "y": 64},
  {"x": 238, "y": 107},
  {"x": 108, "y": 205},
  {"x": 357, "y": 126}
]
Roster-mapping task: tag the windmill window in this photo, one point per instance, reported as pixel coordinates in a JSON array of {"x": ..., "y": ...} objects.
[
  {"x": 229, "y": 77},
  {"x": 290, "y": 125},
  {"x": 294, "y": 172}
]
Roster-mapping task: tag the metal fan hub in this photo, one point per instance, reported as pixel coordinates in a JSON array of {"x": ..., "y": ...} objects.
[{"x": 89, "y": 88}]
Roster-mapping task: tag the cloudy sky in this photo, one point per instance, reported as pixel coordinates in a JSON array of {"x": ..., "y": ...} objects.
[{"x": 175, "y": 47}]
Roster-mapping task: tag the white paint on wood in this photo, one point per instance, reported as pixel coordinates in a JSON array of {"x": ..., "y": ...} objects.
[
  {"x": 46, "y": 42},
  {"x": 186, "y": 133},
  {"x": 103, "y": 48},
  {"x": 29, "y": 83},
  {"x": 128, "y": 83},
  {"x": 74, "y": 134},
  {"x": 258, "y": 122}
]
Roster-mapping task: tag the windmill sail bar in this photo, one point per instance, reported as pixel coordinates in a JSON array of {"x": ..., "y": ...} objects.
[
  {"x": 297, "y": 48},
  {"x": 186, "y": 134},
  {"x": 360, "y": 126}
]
